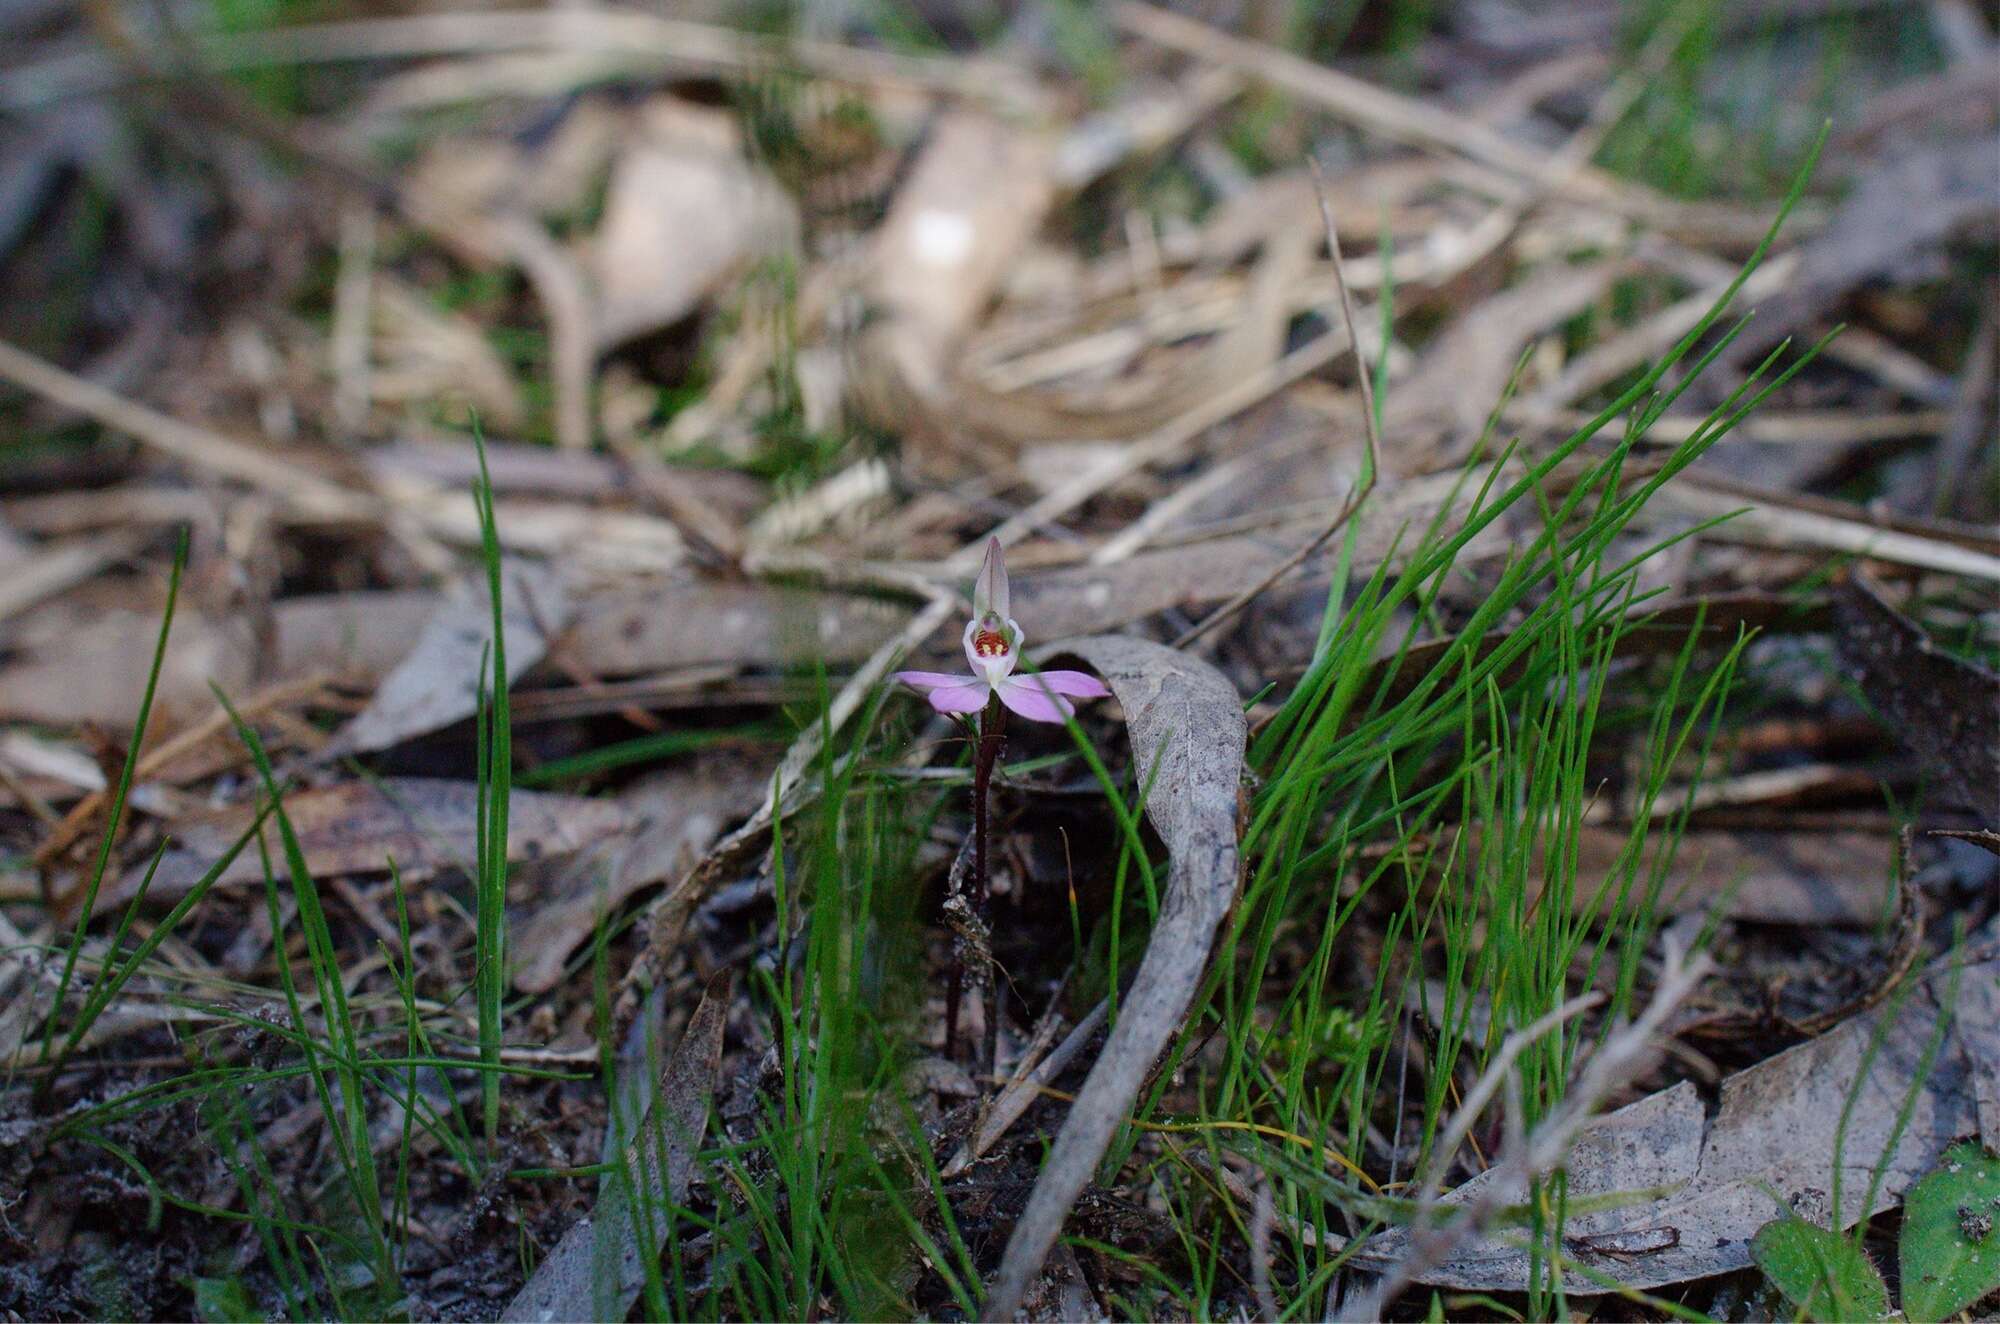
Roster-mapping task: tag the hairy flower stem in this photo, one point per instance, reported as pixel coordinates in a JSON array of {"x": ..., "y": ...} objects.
[{"x": 992, "y": 737}]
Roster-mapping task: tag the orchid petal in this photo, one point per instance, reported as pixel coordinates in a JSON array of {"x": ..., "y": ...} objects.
[
  {"x": 971, "y": 656},
  {"x": 923, "y": 682},
  {"x": 1076, "y": 684},
  {"x": 968, "y": 697},
  {"x": 989, "y": 591},
  {"x": 1021, "y": 694}
]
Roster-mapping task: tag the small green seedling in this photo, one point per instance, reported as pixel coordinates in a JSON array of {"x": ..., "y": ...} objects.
[
  {"x": 1823, "y": 1273},
  {"x": 1950, "y": 1252}
]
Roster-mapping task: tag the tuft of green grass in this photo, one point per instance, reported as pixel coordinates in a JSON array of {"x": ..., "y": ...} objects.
[
  {"x": 335, "y": 1248},
  {"x": 120, "y": 794},
  {"x": 340, "y": 1082},
  {"x": 1468, "y": 791}
]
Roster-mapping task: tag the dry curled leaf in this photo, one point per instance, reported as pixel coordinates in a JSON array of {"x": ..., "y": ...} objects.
[{"x": 1187, "y": 733}]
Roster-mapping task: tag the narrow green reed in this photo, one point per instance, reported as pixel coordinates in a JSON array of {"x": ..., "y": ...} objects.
[
  {"x": 119, "y": 795},
  {"x": 495, "y": 774},
  {"x": 340, "y": 1085}
]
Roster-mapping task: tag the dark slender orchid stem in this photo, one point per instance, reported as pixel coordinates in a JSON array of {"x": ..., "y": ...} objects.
[{"x": 992, "y": 737}]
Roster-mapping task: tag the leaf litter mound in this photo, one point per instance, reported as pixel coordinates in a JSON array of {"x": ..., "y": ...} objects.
[{"x": 1540, "y": 846}]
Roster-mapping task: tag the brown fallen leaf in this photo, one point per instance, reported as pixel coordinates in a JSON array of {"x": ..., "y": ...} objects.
[
  {"x": 1810, "y": 878},
  {"x": 1775, "y": 1127},
  {"x": 629, "y": 632},
  {"x": 92, "y": 668},
  {"x": 424, "y": 824},
  {"x": 975, "y": 196},
  {"x": 359, "y": 636},
  {"x": 1943, "y": 707},
  {"x": 598, "y": 1269},
  {"x": 1187, "y": 733},
  {"x": 683, "y": 214}
]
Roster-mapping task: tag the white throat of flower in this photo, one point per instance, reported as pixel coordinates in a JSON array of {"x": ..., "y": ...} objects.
[{"x": 992, "y": 644}]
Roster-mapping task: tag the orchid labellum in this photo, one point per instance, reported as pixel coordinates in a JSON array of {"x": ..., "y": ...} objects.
[{"x": 993, "y": 646}]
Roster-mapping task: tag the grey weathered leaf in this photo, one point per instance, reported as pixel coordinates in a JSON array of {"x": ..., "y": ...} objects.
[
  {"x": 597, "y": 1270},
  {"x": 1773, "y": 1130},
  {"x": 437, "y": 682},
  {"x": 425, "y": 824},
  {"x": 1187, "y": 731}
]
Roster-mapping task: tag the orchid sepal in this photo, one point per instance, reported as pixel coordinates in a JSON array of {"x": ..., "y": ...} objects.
[{"x": 990, "y": 596}]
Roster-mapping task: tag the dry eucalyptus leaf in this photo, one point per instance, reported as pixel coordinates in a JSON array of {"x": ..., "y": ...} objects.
[
  {"x": 1187, "y": 734},
  {"x": 1943, "y": 707},
  {"x": 75, "y": 666},
  {"x": 675, "y": 815},
  {"x": 1806, "y": 878},
  {"x": 627, "y": 632},
  {"x": 360, "y": 635}
]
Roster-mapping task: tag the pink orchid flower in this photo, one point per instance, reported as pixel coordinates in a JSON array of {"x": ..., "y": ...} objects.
[{"x": 992, "y": 646}]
